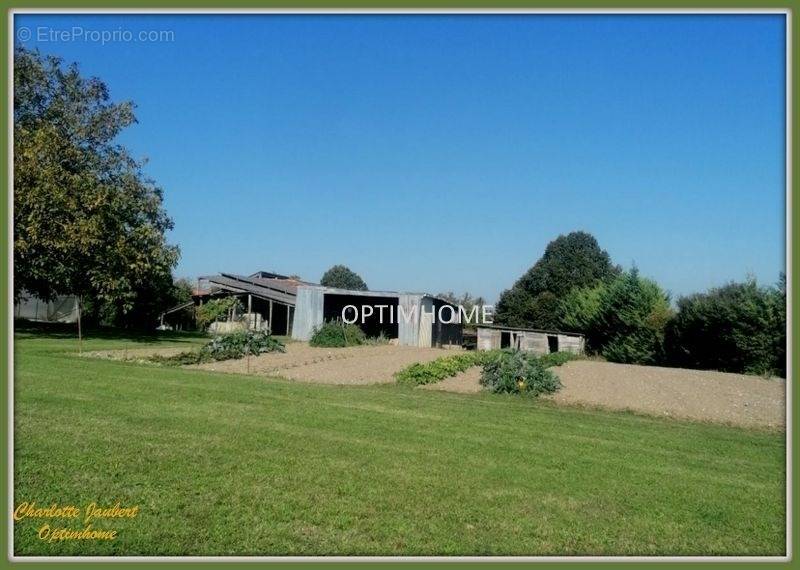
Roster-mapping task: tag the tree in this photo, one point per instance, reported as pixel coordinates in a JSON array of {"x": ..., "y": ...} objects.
[
  {"x": 342, "y": 277},
  {"x": 182, "y": 290},
  {"x": 570, "y": 261},
  {"x": 87, "y": 221},
  {"x": 740, "y": 327},
  {"x": 515, "y": 308},
  {"x": 629, "y": 325},
  {"x": 467, "y": 301},
  {"x": 578, "y": 310}
]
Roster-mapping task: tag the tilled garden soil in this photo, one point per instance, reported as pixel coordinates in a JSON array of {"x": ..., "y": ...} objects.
[
  {"x": 735, "y": 399},
  {"x": 352, "y": 365}
]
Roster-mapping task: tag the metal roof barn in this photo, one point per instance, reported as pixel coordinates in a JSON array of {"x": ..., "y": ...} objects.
[{"x": 408, "y": 317}]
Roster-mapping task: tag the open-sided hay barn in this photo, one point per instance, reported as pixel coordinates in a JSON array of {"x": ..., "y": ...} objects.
[{"x": 268, "y": 300}]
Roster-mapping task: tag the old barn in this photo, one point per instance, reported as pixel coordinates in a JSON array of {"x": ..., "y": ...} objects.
[{"x": 415, "y": 319}]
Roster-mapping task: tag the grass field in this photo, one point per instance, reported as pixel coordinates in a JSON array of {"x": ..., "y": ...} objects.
[{"x": 227, "y": 465}]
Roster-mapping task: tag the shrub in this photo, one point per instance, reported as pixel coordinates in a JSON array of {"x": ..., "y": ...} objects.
[
  {"x": 740, "y": 327},
  {"x": 241, "y": 343},
  {"x": 557, "y": 358},
  {"x": 215, "y": 309},
  {"x": 181, "y": 359},
  {"x": 225, "y": 347},
  {"x": 379, "y": 340},
  {"x": 437, "y": 370},
  {"x": 337, "y": 334},
  {"x": 518, "y": 372}
]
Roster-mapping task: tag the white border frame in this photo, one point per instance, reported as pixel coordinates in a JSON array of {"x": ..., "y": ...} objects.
[{"x": 389, "y": 11}]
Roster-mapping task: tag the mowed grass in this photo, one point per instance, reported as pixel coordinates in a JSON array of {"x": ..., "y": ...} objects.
[{"x": 237, "y": 465}]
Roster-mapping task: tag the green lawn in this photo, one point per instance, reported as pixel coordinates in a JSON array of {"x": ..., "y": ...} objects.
[{"x": 227, "y": 465}]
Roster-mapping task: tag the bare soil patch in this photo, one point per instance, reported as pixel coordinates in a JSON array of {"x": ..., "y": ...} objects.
[
  {"x": 351, "y": 365},
  {"x": 675, "y": 392},
  {"x": 467, "y": 382},
  {"x": 703, "y": 395}
]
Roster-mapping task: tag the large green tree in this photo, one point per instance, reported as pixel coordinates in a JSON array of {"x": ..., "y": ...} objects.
[
  {"x": 342, "y": 277},
  {"x": 630, "y": 321},
  {"x": 570, "y": 261},
  {"x": 87, "y": 221}
]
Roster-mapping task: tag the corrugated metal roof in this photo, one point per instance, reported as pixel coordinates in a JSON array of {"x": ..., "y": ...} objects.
[
  {"x": 241, "y": 284},
  {"x": 180, "y": 307},
  {"x": 337, "y": 291},
  {"x": 523, "y": 329}
]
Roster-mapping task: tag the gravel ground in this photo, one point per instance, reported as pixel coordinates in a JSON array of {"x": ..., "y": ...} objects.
[
  {"x": 703, "y": 395},
  {"x": 352, "y": 365}
]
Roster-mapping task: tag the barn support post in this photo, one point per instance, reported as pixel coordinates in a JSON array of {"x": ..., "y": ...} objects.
[
  {"x": 270, "y": 317},
  {"x": 288, "y": 320},
  {"x": 249, "y": 303},
  {"x": 80, "y": 334}
]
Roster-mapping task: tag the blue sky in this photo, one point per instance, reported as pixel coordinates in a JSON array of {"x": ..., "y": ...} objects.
[{"x": 434, "y": 153}]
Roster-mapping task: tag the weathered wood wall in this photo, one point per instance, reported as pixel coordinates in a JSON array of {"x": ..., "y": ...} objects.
[
  {"x": 535, "y": 342},
  {"x": 570, "y": 343},
  {"x": 488, "y": 339},
  {"x": 532, "y": 341}
]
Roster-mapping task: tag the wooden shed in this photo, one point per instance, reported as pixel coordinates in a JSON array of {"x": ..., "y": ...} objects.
[{"x": 538, "y": 341}]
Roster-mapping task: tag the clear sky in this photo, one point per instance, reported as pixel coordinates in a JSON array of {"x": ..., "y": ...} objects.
[{"x": 434, "y": 153}]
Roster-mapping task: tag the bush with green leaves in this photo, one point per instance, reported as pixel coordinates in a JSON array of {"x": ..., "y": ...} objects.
[
  {"x": 421, "y": 373},
  {"x": 215, "y": 309},
  {"x": 740, "y": 327},
  {"x": 557, "y": 358},
  {"x": 379, "y": 340},
  {"x": 182, "y": 358},
  {"x": 226, "y": 347},
  {"x": 242, "y": 343},
  {"x": 337, "y": 334},
  {"x": 517, "y": 372}
]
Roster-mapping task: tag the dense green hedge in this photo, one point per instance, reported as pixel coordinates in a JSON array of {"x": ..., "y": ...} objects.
[{"x": 740, "y": 327}]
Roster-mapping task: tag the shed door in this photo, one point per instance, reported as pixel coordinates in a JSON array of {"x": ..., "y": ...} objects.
[{"x": 425, "y": 323}]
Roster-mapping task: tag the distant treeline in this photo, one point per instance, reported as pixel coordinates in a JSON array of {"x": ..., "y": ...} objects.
[{"x": 739, "y": 327}]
